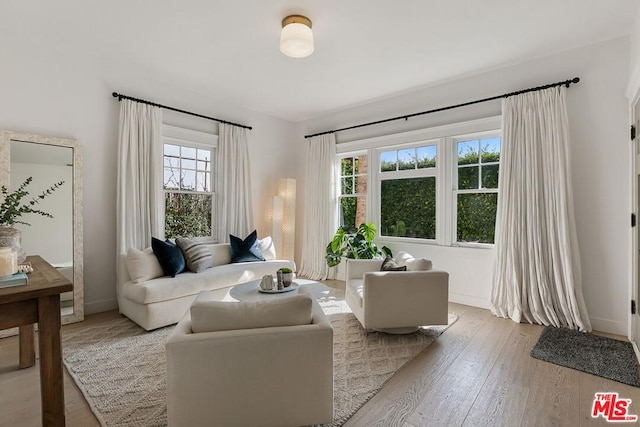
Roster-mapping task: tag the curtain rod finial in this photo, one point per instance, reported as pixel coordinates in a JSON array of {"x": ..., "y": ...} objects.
[{"x": 575, "y": 80}]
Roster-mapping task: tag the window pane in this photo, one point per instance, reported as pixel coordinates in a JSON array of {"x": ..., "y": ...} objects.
[
  {"x": 204, "y": 154},
  {"x": 361, "y": 165},
  {"x": 202, "y": 183},
  {"x": 188, "y": 180},
  {"x": 352, "y": 211},
  {"x": 171, "y": 150},
  {"x": 407, "y": 159},
  {"x": 171, "y": 180},
  {"x": 476, "y": 217},
  {"x": 188, "y": 164},
  {"x": 468, "y": 177},
  {"x": 408, "y": 207},
  {"x": 187, "y": 215},
  {"x": 203, "y": 166},
  {"x": 468, "y": 152},
  {"x": 346, "y": 166},
  {"x": 490, "y": 150},
  {"x": 388, "y": 161},
  {"x": 347, "y": 185},
  {"x": 427, "y": 157},
  {"x": 188, "y": 152},
  {"x": 171, "y": 162},
  {"x": 490, "y": 176},
  {"x": 361, "y": 184}
]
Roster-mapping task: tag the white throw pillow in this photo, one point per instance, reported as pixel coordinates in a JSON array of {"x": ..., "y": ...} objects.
[
  {"x": 412, "y": 263},
  {"x": 211, "y": 316},
  {"x": 143, "y": 265},
  {"x": 267, "y": 248}
]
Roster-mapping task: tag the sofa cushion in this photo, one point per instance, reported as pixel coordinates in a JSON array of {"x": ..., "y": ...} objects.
[
  {"x": 221, "y": 253},
  {"x": 356, "y": 288},
  {"x": 209, "y": 315},
  {"x": 170, "y": 257},
  {"x": 389, "y": 264},
  {"x": 246, "y": 250},
  {"x": 197, "y": 256},
  {"x": 143, "y": 265}
]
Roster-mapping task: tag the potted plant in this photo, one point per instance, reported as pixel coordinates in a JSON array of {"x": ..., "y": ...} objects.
[
  {"x": 287, "y": 276},
  {"x": 12, "y": 208},
  {"x": 354, "y": 244}
]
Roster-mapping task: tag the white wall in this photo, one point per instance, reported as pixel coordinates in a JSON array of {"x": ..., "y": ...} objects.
[
  {"x": 45, "y": 90},
  {"x": 599, "y": 131}
]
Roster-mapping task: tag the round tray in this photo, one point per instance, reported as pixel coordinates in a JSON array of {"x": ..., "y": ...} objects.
[{"x": 289, "y": 288}]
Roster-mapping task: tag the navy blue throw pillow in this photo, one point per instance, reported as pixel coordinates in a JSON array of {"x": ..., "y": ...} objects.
[
  {"x": 169, "y": 256},
  {"x": 246, "y": 250}
]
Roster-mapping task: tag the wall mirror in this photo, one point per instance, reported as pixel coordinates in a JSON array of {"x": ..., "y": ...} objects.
[{"x": 57, "y": 240}]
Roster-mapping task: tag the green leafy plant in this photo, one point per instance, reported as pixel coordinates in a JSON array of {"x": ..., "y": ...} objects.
[
  {"x": 354, "y": 244},
  {"x": 285, "y": 270},
  {"x": 13, "y": 208}
]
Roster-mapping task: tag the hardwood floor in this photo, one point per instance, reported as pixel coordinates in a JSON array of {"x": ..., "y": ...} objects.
[{"x": 477, "y": 373}]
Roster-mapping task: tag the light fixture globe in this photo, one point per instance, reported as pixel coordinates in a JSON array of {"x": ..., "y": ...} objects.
[{"x": 296, "y": 39}]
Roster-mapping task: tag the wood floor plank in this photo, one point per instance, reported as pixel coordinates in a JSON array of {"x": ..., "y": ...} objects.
[
  {"x": 399, "y": 398},
  {"x": 503, "y": 397},
  {"x": 449, "y": 400}
]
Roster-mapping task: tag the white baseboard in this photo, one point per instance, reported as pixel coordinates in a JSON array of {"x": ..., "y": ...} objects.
[
  {"x": 469, "y": 300},
  {"x": 100, "y": 306},
  {"x": 609, "y": 326}
]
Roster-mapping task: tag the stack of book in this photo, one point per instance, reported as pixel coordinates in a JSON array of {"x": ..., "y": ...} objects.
[{"x": 14, "y": 280}]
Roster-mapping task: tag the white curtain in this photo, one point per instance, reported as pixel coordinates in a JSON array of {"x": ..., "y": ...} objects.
[
  {"x": 320, "y": 207},
  {"x": 233, "y": 186},
  {"x": 537, "y": 276},
  {"x": 139, "y": 186}
]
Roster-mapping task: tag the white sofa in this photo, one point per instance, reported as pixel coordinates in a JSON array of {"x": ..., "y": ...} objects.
[
  {"x": 160, "y": 301},
  {"x": 397, "y": 301},
  {"x": 253, "y": 374}
]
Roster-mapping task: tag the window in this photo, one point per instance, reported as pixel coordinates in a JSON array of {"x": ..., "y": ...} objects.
[
  {"x": 353, "y": 190},
  {"x": 408, "y": 192},
  {"x": 477, "y": 166},
  {"x": 436, "y": 185},
  {"x": 188, "y": 188}
]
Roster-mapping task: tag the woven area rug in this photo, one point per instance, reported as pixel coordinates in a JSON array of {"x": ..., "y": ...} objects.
[
  {"x": 120, "y": 368},
  {"x": 601, "y": 356}
]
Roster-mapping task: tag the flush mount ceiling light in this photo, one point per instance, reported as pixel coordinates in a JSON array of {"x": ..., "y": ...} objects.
[{"x": 296, "y": 39}]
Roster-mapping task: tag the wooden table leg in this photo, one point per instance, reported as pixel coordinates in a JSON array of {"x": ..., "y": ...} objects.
[
  {"x": 27, "y": 346},
  {"x": 51, "y": 380}
]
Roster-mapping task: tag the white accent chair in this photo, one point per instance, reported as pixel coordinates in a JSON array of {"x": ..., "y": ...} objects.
[
  {"x": 396, "y": 301},
  {"x": 251, "y": 373}
]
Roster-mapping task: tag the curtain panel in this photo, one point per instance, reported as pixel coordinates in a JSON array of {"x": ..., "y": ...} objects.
[
  {"x": 320, "y": 207},
  {"x": 537, "y": 276},
  {"x": 139, "y": 182},
  {"x": 233, "y": 186}
]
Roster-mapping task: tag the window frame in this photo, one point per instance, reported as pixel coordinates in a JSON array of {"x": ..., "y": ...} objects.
[
  {"x": 353, "y": 154},
  {"x": 184, "y": 137},
  {"x": 453, "y": 202},
  {"x": 446, "y": 155}
]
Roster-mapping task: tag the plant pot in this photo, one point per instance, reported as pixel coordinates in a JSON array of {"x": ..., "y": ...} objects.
[
  {"x": 11, "y": 237},
  {"x": 287, "y": 279}
]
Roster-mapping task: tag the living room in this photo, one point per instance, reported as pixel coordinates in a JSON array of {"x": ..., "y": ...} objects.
[{"x": 62, "y": 62}]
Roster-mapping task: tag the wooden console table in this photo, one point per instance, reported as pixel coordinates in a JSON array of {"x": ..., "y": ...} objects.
[{"x": 39, "y": 302}]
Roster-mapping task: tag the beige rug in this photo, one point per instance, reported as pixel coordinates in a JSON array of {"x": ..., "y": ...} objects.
[{"x": 120, "y": 368}]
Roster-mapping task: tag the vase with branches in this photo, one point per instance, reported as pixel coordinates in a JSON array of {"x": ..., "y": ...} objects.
[{"x": 13, "y": 208}]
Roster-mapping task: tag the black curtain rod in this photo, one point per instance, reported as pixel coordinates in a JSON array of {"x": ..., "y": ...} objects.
[
  {"x": 121, "y": 97},
  {"x": 450, "y": 107}
]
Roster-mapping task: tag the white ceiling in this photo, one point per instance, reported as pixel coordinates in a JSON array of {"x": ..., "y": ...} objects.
[{"x": 365, "y": 49}]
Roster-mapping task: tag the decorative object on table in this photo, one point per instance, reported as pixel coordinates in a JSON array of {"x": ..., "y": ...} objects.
[
  {"x": 354, "y": 244},
  {"x": 287, "y": 276},
  {"x": 14, "y": 280},
  {"x": 8, "y": 262},
  {"x": 12, "y": 208},
  {"x": 279, "y": 280},
  {"x": 25, "y": 267},
  {"x": 275, "y": 289},
  {"x": 266, "y": 284}
]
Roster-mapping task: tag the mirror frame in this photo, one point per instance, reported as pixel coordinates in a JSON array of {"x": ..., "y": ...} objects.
[{"x": 5, "y": 179}]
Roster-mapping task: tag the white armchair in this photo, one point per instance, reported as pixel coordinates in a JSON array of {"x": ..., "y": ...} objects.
[
  {"x": 260, "y": 376},
  {"x": 396, "y": 301}
]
